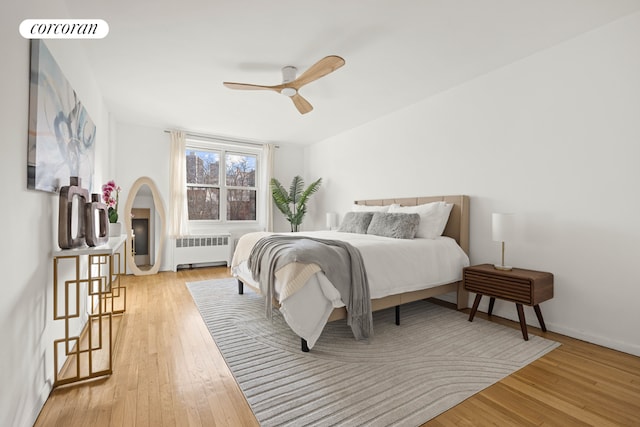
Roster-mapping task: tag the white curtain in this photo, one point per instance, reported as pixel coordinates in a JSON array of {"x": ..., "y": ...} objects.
[
  {"x": 268, "y": 153},
  {"x": 179, "y": 216}
]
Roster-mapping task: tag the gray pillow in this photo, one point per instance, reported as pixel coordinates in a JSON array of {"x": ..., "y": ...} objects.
[
  {"x": 396, "y": 225},
  {"x": 356, "y": 222}
]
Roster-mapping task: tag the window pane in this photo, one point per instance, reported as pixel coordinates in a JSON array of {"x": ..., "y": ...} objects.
[
  {"x": 241, "y": 205},
  {"x": 203, "y": 203},
  {"x": 241, "y": 170},
  {"x": 203, "y": 167}
]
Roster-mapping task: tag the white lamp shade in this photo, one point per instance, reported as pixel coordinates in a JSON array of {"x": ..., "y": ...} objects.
[
  {"x": 503, "y": 227},
  {"x": 332, "y": 220}
]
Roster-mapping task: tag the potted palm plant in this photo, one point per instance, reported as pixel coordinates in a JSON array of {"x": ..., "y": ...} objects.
[{"x": 293, "y": 204}]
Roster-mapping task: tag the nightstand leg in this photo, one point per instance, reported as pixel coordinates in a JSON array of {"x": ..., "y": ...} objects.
[
  {"x": 540, "y": 319},
  {"x": 476, "y": 303},
  {"x": 523, "y": 323},
  {"x": 492, "y": 300}
]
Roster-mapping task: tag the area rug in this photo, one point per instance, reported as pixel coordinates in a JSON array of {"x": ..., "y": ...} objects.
[{"x": 405, "y": 375}]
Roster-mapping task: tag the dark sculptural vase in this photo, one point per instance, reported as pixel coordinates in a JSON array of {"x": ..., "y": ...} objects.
[
  {"x": 68, "y": 213},
  {"x": 96, "y": 222}
]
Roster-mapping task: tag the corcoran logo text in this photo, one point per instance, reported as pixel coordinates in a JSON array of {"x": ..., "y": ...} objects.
[{"x": 64, "y": 29}]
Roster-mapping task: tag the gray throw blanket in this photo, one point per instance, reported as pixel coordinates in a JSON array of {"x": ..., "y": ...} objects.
[{"x": 340, "y": 262}]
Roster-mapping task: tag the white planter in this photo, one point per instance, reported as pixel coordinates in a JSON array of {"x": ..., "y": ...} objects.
[{"x": 115, "y": 229}]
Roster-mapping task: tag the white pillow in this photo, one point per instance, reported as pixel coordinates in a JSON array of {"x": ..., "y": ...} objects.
[
  {"x": 365, "y": 208},
  {"x": 433, "y": 217}
]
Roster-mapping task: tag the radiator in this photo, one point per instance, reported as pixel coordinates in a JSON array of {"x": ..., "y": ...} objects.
[{"x": 202, "y": 250}]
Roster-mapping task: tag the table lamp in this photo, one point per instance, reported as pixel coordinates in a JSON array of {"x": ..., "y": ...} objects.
[{"x": 502, "y": 230}]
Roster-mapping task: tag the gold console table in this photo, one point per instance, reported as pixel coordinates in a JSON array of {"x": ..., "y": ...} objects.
[{"x": 89, "y": 354}]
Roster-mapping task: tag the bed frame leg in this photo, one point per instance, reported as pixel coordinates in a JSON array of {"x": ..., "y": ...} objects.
[
  {"x": 303, "y": 345},
  {"x": 240, "y": 287},
  {"x": 397, "y": 315}
]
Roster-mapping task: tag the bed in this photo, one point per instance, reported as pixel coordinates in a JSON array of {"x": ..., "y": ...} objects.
[{"x": 395, "y": 278}]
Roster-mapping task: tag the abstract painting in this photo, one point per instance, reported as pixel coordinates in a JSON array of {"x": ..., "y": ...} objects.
[{"x": 61, "y": 133}]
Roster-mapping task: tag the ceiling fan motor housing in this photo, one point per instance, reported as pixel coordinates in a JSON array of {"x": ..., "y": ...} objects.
[{"x": 288, "y": 75}]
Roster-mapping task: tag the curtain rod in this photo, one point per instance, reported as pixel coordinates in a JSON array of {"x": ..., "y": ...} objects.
[{"x": 221, "y": 138}]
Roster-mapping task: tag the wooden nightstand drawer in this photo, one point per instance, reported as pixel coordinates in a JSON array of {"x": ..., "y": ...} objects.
[
  {"x": 513, "y": 289},
  {"x": 518, "y": 285},
  {"x": 528, "y": 287}
]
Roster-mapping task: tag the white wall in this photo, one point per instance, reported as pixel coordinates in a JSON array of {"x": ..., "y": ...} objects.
[
  {"x": 145, "y": 151},
  {"x": 554, "y": 138},
  {"x": 288, "y": 162},
  {"x": 27, "y": 330}
]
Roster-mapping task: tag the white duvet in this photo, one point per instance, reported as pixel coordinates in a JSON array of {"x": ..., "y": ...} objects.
[{"x": 393, "y": 266}]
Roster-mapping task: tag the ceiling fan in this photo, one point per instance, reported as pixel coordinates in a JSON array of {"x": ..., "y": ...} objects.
[{"x": 291, "y": 85}]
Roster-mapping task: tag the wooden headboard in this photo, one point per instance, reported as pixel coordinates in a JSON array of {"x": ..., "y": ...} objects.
[{"x": 458, "y": 226}]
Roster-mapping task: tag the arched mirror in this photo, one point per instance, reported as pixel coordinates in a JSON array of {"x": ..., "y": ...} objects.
[{"x": 145, "y": 223}]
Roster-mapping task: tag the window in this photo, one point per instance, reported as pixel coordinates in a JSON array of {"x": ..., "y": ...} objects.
[
  {"x": 203, "y": 184},
  {"x": 216, "y": 196},
  {"x": 240, "y": 180}
]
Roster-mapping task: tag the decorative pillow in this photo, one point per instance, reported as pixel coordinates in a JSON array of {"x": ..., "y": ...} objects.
[
  {"x": 433, "y": 217},
  {"x": 396, "y": 225},
  {"x": 356, "y": 222},
  {"x": 366, "y": 208}
]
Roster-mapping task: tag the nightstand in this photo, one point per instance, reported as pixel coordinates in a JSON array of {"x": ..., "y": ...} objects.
[{"x": 528, "y": 287}]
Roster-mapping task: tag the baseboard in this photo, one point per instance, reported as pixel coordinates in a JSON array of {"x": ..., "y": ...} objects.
[
  {"x": 625, "y": 347},
  {"x": 38, "y": 404}
]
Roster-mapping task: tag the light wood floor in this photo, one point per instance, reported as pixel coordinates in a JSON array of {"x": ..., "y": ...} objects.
[{"x": 168, "y": 371}]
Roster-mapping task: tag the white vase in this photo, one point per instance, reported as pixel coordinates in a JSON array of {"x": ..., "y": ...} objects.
[{"x": 115, "y": 229}]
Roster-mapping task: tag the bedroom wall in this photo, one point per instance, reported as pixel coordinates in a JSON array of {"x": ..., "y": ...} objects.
[
  {"x": 555, "y": 138},
  {"x": 143, "y": 150},
  {"x": 30, "y": 217}
]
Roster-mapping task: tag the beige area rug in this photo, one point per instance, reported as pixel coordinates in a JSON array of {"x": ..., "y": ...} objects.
[{"x": 404, "y": 376}]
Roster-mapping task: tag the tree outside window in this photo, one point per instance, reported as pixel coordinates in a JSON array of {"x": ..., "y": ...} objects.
[
  {"x": 241, "y": 187},
  {"x": 207, "y": 189}
]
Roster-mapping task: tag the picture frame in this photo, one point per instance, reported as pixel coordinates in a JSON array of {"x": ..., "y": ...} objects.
[{"x": 61, "y": 138}]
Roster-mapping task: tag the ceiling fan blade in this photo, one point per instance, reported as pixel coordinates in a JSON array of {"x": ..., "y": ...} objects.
[
  {"x": 247, "y": 86},
  {"x": 326, "y": 65},
  {"x": 301, "y": 104}
]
